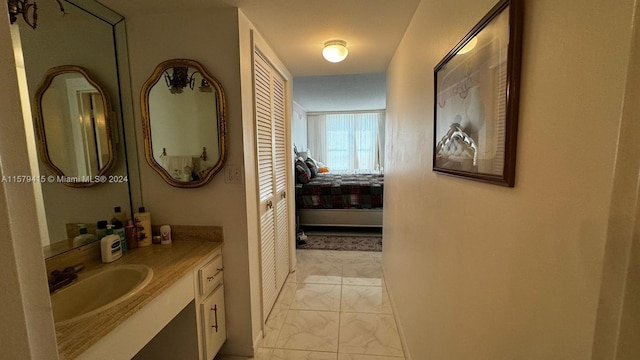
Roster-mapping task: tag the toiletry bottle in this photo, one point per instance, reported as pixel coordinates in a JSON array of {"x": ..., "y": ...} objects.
[
  {"x": 84, "y": 237},
  {"x": 120, "y": 215},
  {"x": 109, "y": 230},
  {"x": 119, "y": 230},
  {"x": 118, "y": 227},
  {"x": 101, "y": 229},
  {"x": 165, "y": 234},
  {"x": 130, "y": 235},
  {"x": 110, "y": 246},
  {"x": 142, "y": 220}
]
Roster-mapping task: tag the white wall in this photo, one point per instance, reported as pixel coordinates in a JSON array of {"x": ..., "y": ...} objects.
[
  {"x": 479, "y": 271},
  {"x": 299, "y": 127},
  {"x": 27, "y": 330},
  {"x": 618, "y": 320},
  {"x": 211, "y": 38}
]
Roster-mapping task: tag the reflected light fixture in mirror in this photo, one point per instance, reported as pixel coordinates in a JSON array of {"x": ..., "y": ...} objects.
[
  {"x": 469, "y": 46},
  {"x": 335, "y": 51},
  {"x": 205, "y": 86},
  {"x": 179, "y": 80},
  {"x": 29, "y": 11}
]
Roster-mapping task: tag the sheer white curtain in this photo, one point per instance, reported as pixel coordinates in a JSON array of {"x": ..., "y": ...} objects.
[{"x": 346, "y": 141}]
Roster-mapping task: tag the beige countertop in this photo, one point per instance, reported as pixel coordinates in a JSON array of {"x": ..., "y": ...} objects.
[{"x": 169, "y": 263}]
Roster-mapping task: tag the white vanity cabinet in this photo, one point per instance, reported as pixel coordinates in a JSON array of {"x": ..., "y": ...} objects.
[
  {"x": 180, "y": 313},
  {"x": 213, "y": 323},
  {"x": 210, "y": 313}
]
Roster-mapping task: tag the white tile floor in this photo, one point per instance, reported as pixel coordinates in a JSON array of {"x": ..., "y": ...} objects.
[{"x": 334, "y": 307}]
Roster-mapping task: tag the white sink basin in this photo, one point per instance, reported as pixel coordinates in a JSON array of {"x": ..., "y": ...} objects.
[{"x": 99, "y": 291}]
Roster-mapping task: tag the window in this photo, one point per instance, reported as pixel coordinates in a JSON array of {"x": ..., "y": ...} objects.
[{"x": 346, "y": 141}]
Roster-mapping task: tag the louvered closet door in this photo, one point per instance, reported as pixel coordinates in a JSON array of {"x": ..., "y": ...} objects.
[
  {"x": 264, "y": 134},
  {"x": 280, "y": 157}
]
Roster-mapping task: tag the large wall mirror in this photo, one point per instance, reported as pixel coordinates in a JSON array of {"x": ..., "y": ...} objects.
[
  {"x": 92, "y": 38},
  {"x": 184, "y": 116},
  {"x": 73, "y": 124}
]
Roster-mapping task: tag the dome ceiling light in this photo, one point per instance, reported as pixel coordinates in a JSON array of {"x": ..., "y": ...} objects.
[{"x": 335, "y": 50}]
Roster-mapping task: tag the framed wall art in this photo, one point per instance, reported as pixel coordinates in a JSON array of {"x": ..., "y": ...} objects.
[{"x": 476, "y": 100}]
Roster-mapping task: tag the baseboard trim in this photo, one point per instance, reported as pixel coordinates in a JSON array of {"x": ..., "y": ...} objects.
[
  {"x": 394, "y": 308},
  {"x": 257, "y": 341}
]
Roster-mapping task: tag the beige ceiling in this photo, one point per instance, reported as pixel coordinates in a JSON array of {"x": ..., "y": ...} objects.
[{"x": 297, "y": 29}]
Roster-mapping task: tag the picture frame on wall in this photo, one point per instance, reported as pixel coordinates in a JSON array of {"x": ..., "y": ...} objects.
[{"x": 476, "y": 100}]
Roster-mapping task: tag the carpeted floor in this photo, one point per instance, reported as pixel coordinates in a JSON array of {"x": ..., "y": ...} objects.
[{"x": 369, "y": 242}]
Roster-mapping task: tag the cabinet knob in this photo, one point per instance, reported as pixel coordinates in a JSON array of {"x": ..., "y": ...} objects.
[
  {"x": 269, "y": 205},
  {"x": 284, "y": 195},
  {"x": 210, "y": 278}
]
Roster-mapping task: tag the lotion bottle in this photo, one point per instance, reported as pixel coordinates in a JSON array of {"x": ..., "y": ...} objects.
[
  {"x": 119, "y": 230},
  {"x": 118, "y": 227},
  {"x": 142, "y": 220},
  {"x": 84, "y": 237},
  {"x": 110, "y": 246}
]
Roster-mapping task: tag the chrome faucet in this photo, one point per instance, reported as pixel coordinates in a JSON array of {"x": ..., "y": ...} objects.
[{"x": 60, "y": 279}]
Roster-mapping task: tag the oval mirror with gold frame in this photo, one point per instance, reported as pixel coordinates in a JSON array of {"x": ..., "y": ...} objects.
[
  {"x": 73, "y": 126},
  {"x": 184, "y": 123}
]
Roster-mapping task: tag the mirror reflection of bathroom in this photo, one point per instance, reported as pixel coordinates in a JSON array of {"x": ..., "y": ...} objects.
[
  {"x": 74, "y": 117},
  {"x": 184, "y": 124},
  {"x": 92, "y": 37}
]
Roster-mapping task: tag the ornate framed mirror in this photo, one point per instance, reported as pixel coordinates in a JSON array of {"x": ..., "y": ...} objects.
[
  {"x": 73, "y": 126},
  {"x": 184, "y": 123}
]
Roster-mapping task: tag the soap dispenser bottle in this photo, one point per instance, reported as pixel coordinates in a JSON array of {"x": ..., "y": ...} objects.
[
  {"x": 110, "y": 246},
  {"x": 142, "y": 220},
  {"x": 84, "y": 237},
  {"x": 118, "y": 230}
]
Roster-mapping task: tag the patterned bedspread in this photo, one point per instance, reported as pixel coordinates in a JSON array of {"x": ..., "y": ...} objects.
[{"x": 341, "y": 191}]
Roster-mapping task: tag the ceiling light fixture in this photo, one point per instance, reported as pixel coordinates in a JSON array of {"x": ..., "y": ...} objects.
[{"x": 335, "y": 50}]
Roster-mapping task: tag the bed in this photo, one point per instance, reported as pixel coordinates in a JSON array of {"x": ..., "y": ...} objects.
[{"x": 349, "y": 198}]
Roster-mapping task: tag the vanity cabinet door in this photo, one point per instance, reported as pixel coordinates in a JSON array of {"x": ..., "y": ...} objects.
[{"x": 214, "y": 329}]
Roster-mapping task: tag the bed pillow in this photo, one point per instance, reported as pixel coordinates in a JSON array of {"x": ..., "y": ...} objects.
[
  {"x": 303, "y": 174},
  {"x": 313, "y": 167}
]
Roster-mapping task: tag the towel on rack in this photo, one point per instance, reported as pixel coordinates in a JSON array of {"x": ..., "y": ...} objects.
[{"x": 179, "y": 167}]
